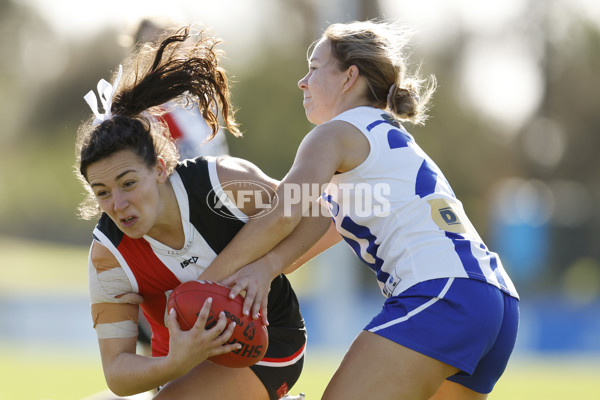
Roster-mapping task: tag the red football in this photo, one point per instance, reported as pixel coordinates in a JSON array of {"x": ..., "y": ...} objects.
[{"x": 189, "y": 297}]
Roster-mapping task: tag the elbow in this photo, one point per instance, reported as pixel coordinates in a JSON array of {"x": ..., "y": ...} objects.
[
  {"x": 116, "y": 389},
  {"x": 119, "y": 387}
]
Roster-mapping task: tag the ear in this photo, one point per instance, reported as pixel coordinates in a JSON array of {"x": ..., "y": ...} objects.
[
  {"x": 161, "y": 170},
  {"x": 352, "y": 75}
]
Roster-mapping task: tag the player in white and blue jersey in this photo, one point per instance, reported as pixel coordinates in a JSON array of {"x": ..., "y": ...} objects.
[{"x": 450, "y": 320}]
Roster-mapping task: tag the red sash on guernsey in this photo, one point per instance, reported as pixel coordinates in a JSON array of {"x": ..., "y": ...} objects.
[{"x": 154, "y": 280}]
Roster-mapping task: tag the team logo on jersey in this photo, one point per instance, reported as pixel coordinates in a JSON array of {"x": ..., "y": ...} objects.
[
  {"x": 231, "y": 197},
  {"x": 449, "y": 216}
]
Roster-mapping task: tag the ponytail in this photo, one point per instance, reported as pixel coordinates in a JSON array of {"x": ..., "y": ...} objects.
[
  {"x": 181, "y": 68},
  {"x": 177, "y": 69}
]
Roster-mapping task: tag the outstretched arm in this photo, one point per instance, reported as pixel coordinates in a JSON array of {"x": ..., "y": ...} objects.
[
  {"x": 286, "y": 257},
  {"x": 323, "y": 151}
]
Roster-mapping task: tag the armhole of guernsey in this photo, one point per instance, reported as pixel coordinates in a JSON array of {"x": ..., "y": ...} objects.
[
  {"x": 103, "y": 240},
  {"x": 220, "y": 192},
  {"x": 356, "y": 118}
]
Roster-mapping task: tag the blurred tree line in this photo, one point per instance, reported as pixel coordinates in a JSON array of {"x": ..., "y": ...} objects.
[{"x": 43, "y": 78}]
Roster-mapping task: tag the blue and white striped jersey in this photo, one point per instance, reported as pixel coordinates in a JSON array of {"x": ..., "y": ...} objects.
[{"x": 400, "y": 216}]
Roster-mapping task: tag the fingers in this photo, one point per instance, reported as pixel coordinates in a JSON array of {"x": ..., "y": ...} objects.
[
  {"x": 218, "y": 330},
  {"x": 263, "y": 308},
  {"x": 204, "y": 313},
  {"x": 220, "y": 334},
  {"x": 230, "y": 280},
  {"x": 172, "y": 323},
  {"x": 238, "y": 288},
  {"x": 250, "y": 302}
]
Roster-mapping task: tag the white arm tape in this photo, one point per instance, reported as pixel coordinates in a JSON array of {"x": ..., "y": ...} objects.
[
  {"x": 117, "y": 330},
  {"x": 106, "y": 285}
]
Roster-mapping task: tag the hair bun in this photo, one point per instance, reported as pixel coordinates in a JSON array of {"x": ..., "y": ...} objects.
[{"x": 403, "y": 102}]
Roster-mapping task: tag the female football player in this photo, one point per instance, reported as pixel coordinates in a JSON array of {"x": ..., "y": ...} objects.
[
  {"x": 450, "y": 319},
  {"x": 163, "y": 221}
]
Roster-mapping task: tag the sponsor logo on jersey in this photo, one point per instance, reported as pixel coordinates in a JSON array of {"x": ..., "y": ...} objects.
[
  {"x": 449, "y": 216},
  {"x": 185, "y": 263}
]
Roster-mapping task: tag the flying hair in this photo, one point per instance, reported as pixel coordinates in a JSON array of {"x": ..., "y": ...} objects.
[{"x": 181, "y": 68}]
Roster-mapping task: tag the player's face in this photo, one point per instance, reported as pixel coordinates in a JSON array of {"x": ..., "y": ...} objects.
[
  {"x": 127, "y": 191},
  {"x": 322, "y": 85}
]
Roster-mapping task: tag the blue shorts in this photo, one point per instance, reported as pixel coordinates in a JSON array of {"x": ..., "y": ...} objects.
[{"x": 468, "y": 324}]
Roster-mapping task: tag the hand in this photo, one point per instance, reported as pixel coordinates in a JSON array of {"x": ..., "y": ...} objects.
[
  {"x": 255, "y": 279},
  {"x": 189, "y": 348}
]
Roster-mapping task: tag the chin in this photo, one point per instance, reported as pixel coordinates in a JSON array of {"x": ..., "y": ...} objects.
[{"x": 132, "y": 233}]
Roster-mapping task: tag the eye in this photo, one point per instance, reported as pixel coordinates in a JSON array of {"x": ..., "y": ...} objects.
[
  {"x": 128, "y": 184},
  {"x": 102, "y": 194}
]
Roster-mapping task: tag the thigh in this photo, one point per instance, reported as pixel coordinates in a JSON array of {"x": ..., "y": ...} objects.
[
  {"x": 453, "y": 391},
  {"x": 376, "y": 367},
  {"x": 213, "y": 381}
]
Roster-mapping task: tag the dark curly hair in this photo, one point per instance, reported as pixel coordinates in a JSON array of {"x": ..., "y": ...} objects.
[{"x": 179, "y": 67}]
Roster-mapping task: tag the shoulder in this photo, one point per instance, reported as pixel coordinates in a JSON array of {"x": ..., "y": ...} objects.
[
  {"x": 246, "y": 185},
  {"x": 237, "y": 169},
  {"x": 340, "y": 142},
  {"x": 108, "y": 282},
  {"x": 194, "y": 165},
  {"x": 341, "y": 130},
  {"x": 102, "y": 259}
]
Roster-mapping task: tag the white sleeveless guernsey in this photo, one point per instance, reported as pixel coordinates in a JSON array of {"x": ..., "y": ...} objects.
[{"x": 400, "y": 216}]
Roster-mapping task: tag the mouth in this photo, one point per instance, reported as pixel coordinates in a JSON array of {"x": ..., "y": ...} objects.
[{"x": 128, "y": 222}]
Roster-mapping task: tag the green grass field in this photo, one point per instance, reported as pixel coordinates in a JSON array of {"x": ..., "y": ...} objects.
[
  {"x": 38, "y": 373},
  {"x": 71, "y": 377}
]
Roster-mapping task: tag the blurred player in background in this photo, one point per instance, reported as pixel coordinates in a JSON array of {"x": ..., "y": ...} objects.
[
  {"x": 449, "y": 324},
  {"x": 160, "y": 225},
  {"x": 187, "y": 127}
]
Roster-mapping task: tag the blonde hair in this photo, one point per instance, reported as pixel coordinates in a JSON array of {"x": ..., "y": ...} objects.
[{"x": 378, "y": 50}]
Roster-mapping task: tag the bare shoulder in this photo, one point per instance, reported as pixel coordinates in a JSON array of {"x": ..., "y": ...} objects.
[
  {"x": 339, "y": 141},
  {"x": 238, "y": 169},
  {"x": 248, "y": 187},
  {"x": 338, "y": 130}
]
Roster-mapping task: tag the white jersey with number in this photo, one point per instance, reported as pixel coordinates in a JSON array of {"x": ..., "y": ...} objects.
[{"x": 400, "y": 216}]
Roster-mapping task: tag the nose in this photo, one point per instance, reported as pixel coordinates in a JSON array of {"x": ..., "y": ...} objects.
[
  {"x": 120, "y": 201},
  {"x": 302, "y": 83}
]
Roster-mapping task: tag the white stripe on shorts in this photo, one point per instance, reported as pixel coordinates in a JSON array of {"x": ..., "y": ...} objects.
[
  {"x": 417, "y": 310},
  {"x": 283, "y": 362}
]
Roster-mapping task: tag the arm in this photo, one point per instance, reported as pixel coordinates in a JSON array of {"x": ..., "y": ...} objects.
[
  {"x": 330, "y": 238},
  {"x": 286, "y": 257},
  {"x": 308, "y": 232},
  {"x": 115, "y": 310},
  {"x": 331, "y": 147}
]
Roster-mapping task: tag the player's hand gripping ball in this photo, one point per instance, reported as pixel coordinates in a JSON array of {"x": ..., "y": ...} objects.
[{"x": 187, "y": 300}]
